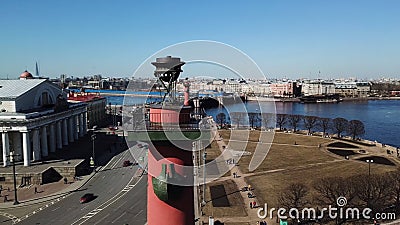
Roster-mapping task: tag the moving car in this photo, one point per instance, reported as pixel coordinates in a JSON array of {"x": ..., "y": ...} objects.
[
  {"x": 126, "y": 163},
  {"x": 86, "y": 198}
]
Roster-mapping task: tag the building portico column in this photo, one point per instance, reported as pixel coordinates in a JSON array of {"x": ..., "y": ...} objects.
[
  {"x": 36, "y": 145},
  {"x": 52, "y": 141},
  {"x": 6, "y": 148},
  {"x": 43, "y": 141},
  {"x": 26, "y": 148},
  {"x": 70, "y": 129},
  {"x": 17, "y": 143},
  {"x": 81, "y": 125},
  {"x": 75, "y": 126},
  {"x": 59, "y": 141},
  {"x": 64, "y": 132},
  {"x": 84, "y": 123}
]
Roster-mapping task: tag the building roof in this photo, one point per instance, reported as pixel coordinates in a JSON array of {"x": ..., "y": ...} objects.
[
  {"x": 25, "y": 75},
  {"x": 84, "y": 97},
  {"x": 12, "y": 89}
]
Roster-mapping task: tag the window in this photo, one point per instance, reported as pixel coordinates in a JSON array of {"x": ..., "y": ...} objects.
[{"x": 45, "y": 99}]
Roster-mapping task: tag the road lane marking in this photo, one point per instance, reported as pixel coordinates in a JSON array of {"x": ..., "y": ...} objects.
[
  {"x": 134, "y": 205},
  {"x": 122, "y": 204},
  {"x": 118, "y": 159},
  {"x": 121, "y": 193},
  {"x": 9, "y": 216},
  {"x": 16, "y": 219},
  {"x": 139, "y": 212},
  {"x": 107, "y": 164},
  {"x": 102, "y": 219},
  {"x": 108, "y": 202},
  {"x": 119, "y": 217}
]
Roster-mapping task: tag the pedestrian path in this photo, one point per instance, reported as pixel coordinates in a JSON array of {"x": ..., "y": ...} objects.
[
  {"x": 46, "y": 192},
  {"x": 240, "y": 182}
]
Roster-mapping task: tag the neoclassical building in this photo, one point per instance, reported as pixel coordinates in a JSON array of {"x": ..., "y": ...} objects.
[{"x": 36, "y": 119}]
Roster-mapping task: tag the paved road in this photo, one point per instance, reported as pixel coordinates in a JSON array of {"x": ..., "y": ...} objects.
[
  {"x": 130, "y": 209},
  {"x": 5, "y": 220},
  {"x": 113, "y": 187}
]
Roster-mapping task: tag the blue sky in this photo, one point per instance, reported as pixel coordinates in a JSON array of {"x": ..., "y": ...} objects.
[{"x": 294, "y": 39}]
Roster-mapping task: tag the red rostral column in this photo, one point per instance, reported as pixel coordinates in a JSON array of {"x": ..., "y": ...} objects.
[
  {"x": 171, "y": 129},
  {"x": 186, "y": 84}
]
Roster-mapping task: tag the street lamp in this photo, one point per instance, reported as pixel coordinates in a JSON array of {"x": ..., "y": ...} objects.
[
  {"x": 204, "y": 175},
  {"x": 369, "y": 161},
  {"x": 93, "y": 154},
  {"x": 12, "y": 160}
]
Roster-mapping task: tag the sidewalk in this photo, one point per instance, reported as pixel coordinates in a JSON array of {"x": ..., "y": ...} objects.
[
  {"x": 46, "y": 192},
  {"x": 240, "y": 182},
  {"x": 106, "y": 149}
]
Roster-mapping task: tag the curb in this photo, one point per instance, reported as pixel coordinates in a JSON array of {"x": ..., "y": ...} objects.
[{"x": 49, "y": 197}]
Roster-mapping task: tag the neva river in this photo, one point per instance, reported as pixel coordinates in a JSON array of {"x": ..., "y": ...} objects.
[{"x": 381, "y": 118}]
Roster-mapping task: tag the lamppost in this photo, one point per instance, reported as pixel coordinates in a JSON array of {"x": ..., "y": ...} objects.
[
  {"x": 204, "y": 175},
  {"x": 12, "y": 160},
  {"x": 369, "y": 161},
  {"x": 93, "y": 154}
]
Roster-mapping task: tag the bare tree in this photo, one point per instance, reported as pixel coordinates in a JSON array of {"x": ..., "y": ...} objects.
[
  {"x": 329, "y": 189},
  {"x": 294, "y": 121},
  {"x": 310, "y": 122},
  {"x": 267, "y": 119},
  {"x": 340, "y": 125},
  {"x": 221, "y": 119},
  {"x": 325, "y": 124},
  {"x": 356, "y": 128},
  {"x": 281, "y": 120},
  {"x": 254, "y": 118},
  {"x": 294, "y": 196},
  {"x": 237, "y": 118},
  {"x": 395, "y": 181},
  {"x": 376, "y": 191}
]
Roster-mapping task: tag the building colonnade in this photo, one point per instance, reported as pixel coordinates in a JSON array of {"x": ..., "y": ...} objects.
[{"x": 37, "y": 139}]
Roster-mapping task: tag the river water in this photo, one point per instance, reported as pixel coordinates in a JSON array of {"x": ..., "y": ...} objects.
[{"x": 381, "y": 118}]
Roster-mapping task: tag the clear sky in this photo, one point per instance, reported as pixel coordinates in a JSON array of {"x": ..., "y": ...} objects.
[{"x": 294, "y": 39}]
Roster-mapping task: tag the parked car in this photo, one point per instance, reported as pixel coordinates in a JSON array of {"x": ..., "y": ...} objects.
[
  {"x": 86, "y": 198},
  {"x": 126, "y": 163}
]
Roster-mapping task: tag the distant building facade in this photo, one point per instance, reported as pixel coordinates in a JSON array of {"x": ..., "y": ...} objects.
[
  {"x": 95, "y": 107},
  {"x": 285, "y": 89},
  {"x": 317, "y": 87}
]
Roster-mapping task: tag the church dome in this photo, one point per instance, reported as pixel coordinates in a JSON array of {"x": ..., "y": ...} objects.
[{"x": 25, "y": 75}]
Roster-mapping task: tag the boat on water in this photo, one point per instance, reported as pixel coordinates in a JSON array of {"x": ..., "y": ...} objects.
[{"x": 331, "y": 98}]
